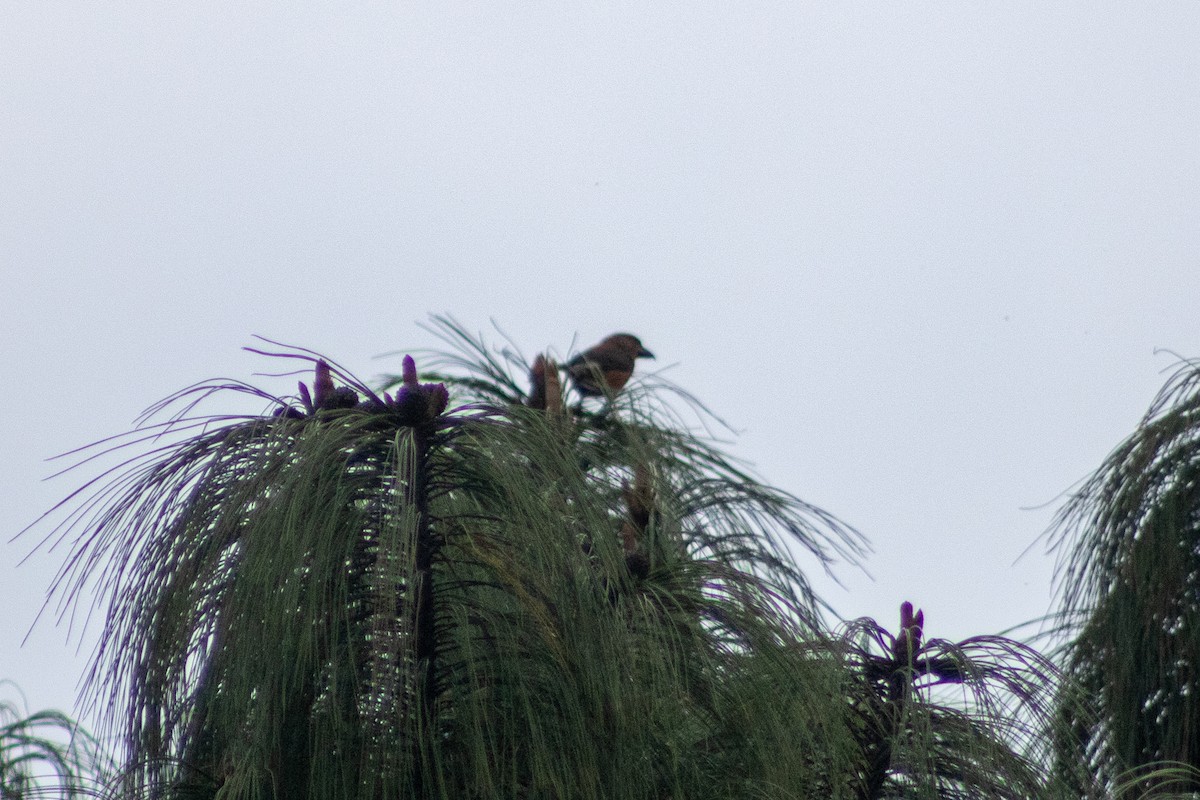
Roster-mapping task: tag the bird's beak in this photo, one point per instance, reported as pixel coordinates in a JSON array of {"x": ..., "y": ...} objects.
[{"x": 644, "y": 353}]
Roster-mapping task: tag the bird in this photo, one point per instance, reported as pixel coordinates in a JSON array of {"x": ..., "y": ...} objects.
[{"x": 605, "y": 368}]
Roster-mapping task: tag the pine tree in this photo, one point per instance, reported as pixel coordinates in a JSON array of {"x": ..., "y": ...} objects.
[
  {"x": 473, "y": 585},
  {"x": 1129, "y": 581}
]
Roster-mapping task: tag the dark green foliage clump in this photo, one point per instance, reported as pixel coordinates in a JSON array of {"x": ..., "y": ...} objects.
[
  {"x": 1129, "y": 540},
  {"x": 449, "y": 593}
]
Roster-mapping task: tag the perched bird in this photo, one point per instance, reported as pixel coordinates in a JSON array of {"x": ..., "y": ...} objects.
[{"x": 604, "y": 369}]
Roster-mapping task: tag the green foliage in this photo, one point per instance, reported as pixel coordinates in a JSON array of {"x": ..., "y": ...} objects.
[
  {"x": 46, "y": 754},
  {"x": 356, "y": 595},
  {"x": 1129, "y": 579},
  {"x": 952, "y": 720}
]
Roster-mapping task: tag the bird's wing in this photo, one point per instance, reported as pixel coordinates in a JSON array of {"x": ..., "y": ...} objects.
[{"x": 605, "y": 359}]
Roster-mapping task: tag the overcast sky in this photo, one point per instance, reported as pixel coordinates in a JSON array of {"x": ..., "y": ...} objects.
[{"x": 920, "y": 256}]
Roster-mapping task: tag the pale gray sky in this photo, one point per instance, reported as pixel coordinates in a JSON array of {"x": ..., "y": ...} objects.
[{"x": 921, "y": 255}]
